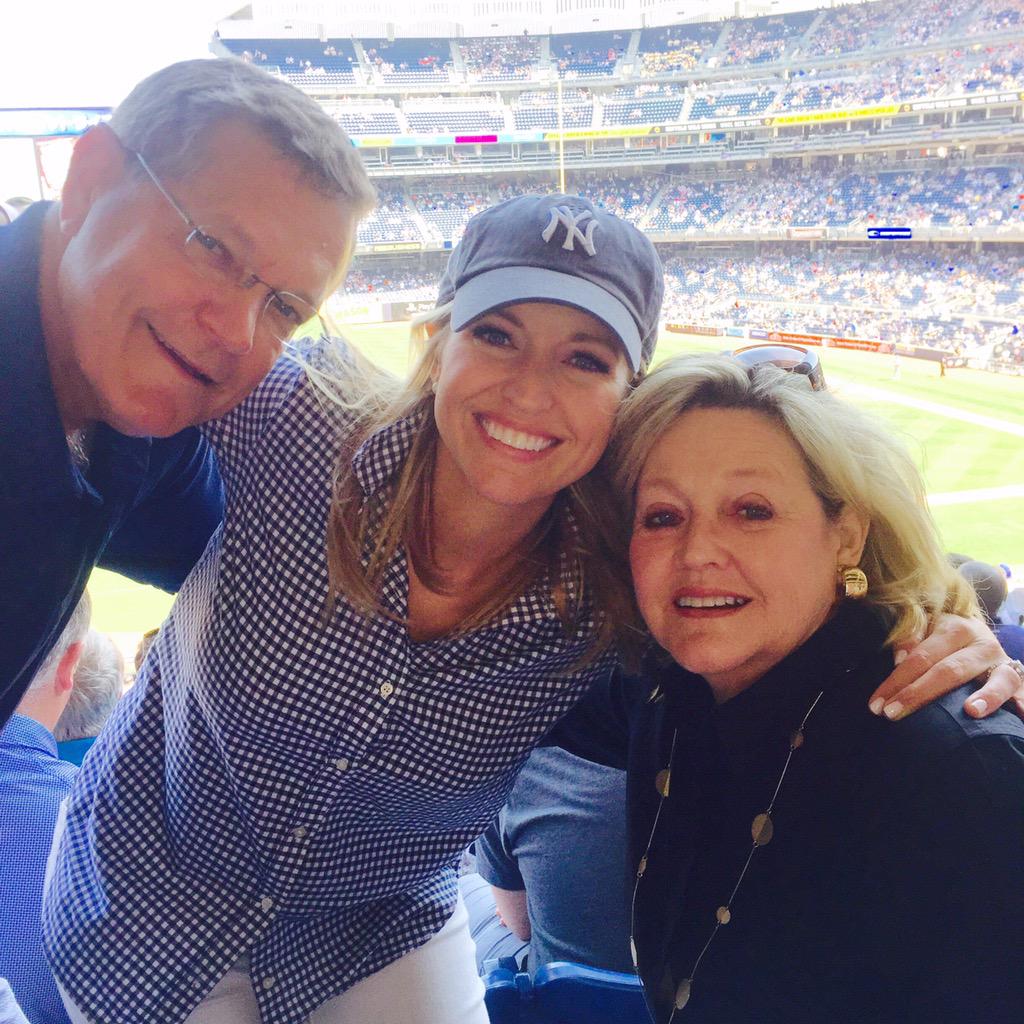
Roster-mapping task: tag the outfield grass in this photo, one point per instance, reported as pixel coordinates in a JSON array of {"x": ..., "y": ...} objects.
[{"x": 954, "y": 455}]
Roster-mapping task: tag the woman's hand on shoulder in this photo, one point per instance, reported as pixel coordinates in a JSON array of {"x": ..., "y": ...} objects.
[{"x": 957, "y": 651}]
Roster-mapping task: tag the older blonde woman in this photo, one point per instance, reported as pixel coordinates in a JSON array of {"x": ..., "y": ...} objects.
[{"x": 796, "y": 857}]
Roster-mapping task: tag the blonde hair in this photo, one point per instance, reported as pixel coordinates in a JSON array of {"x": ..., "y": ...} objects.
[
  {"x": 568, "y": 545},
  {"x": 853, "y": 461}
]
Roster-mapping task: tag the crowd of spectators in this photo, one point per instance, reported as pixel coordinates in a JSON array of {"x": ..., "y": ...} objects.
[
  {"x": 1008, "y": 353},
  {"x": 500, "y": 58},
  {"x": 994, "y": 16},
  {"x": 951, "y": 195},
  {"x": 448, "y": 210},
  {"x": 763, "y": 40},
  {"x": 391, "y": 221},
  {"x": 957, "y": 196},
  {"x": 944, "y": 297},
  {"x": 409, "y": 60},
  {"x": 846, "y": 29},
  {"x": 927, "y": 284},
  {"x": 676, "y": 48},
  {"x": 588, "y": 53}
]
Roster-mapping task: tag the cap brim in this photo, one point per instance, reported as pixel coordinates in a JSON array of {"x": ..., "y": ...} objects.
[{"x": 506, "y": 285}]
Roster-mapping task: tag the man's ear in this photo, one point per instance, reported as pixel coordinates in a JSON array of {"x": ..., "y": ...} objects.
[
  {"x": 64, "y": 677},
  {"x": 97, "y": 164},
  {"x": 853, "y": 535}
]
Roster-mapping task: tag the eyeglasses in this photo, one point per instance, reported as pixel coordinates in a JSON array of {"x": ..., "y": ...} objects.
[
  {"x": 283, "y": 317},
  {"x": 792, "y": 358}
]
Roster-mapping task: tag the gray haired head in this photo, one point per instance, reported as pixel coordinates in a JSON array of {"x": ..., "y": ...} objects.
[
  {"x": 98, "y": 682},
  {"x": 74, "y": 632},
  {"x": 169, "y": 116}
]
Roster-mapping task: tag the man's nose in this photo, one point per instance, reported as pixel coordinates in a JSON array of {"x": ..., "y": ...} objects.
[{"x": 232, "y": 320}]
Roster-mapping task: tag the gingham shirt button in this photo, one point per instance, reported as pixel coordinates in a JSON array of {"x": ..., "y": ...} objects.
[
  {"x": 268, "y": 982},
  {"x": 301, "y": 832},
  {"x": 266, "y": 904},
  {"x": 386, "y": 689},
  {"x": 341, "y": 764}
]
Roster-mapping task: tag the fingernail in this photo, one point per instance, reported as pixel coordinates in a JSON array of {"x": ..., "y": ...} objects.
[
  {"x": 893, "y": 711},
  {"x": 899, "y": 657},
  {"x": 875, "y": 707},
  {"x": 980, "y": 706}
]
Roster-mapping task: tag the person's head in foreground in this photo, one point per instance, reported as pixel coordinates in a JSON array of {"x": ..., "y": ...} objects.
[
  {"x": 548, "y": 309},
  {"x": 51, "y": 689},
  {"x": 98, "y": 684},
  {"x": 751, "y": 494},
  {"x": 990, "y": 586},
  {"x": 196, "y": 232}
]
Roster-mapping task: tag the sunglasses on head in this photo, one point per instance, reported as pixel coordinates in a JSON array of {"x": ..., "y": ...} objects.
[{"x": 792, "y": 358}]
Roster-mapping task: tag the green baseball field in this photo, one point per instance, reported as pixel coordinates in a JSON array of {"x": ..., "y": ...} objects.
[{"x": 966, "y": 431}]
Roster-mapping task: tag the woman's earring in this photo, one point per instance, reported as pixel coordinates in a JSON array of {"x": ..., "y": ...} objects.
[{"x": 853, "y": 582}]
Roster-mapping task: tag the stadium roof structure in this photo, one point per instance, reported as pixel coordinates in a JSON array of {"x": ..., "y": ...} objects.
[{"x": 477, "y": 18}]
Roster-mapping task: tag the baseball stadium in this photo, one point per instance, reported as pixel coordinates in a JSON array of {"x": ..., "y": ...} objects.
[{"x": 841, "y": 181}]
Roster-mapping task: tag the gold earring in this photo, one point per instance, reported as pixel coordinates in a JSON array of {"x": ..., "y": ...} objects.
[{"x": 853, "y": 582}]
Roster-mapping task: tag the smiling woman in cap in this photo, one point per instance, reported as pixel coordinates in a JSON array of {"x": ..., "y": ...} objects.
[{"x": 330, "y": 716}]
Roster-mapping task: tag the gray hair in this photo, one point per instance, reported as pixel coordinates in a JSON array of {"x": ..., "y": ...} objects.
[
  {"x": 852, "y": 460},
  {"x": 99, "y": 680},
  {"x": 74, "y": 632},
  {"x": 169, "y": 116}
]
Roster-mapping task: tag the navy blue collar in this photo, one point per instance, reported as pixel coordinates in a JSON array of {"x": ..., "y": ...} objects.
[
  {"x": 35, "y": 464},
  {"x": 773, "y": 707}
]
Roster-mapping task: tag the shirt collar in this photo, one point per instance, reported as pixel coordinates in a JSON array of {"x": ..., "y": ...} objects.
[
  {"x": 22, "y": 731},
  {"x": 773, "y": 707},
  {"x": 384, "y": 452},
  {"x": 35, "y": 463}
]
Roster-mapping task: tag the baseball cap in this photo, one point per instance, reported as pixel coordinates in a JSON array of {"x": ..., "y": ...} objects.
[{"x": 558, "y": 248}]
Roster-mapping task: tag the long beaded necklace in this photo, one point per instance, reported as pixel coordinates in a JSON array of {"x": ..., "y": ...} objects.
[{"x": 761, "y": 829}]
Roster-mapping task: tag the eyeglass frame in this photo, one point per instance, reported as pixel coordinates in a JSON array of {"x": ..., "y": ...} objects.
[
  {"x": 786, "y": 356},
  {"x": 246, "y": 278}
]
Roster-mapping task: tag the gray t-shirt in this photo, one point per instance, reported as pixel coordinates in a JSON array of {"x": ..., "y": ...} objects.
[{"x": 562, "y": 837}]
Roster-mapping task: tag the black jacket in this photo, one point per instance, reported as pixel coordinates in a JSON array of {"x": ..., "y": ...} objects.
[{"x": 893, "y": 888}]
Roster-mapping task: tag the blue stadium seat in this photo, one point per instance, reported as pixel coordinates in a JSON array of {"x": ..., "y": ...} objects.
[{"x": 564, "y": 993}]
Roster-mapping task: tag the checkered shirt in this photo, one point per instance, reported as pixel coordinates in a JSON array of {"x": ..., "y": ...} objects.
[{"x": 284, "y": 782}]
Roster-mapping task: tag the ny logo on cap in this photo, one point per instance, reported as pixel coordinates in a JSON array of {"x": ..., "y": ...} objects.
[{"x": 563, "y": 215}]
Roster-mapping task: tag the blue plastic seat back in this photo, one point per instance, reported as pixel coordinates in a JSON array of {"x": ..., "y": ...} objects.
[
  {"x": 565, "y": 993},
  {"x": 501, "y": 995}
]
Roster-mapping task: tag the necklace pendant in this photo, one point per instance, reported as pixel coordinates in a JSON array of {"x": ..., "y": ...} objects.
[
  {"x": 723, "y": 915},
  {"x": 762, "y": 829},
  {"x": 632, "y": 952},
  {"x": 796, "y": 741},
  {"x": 683, "y": 993},
  {"x": 662, "y": 781},
  {"x": 642, "y": 866}
]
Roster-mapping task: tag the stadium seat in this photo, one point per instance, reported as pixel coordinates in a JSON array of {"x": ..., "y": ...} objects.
[{"x": 564, "y": 993}]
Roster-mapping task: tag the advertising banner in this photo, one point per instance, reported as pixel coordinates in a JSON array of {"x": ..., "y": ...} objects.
[{"x": 818, "y": 116}]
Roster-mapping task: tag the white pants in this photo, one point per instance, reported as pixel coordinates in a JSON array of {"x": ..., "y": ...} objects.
[{"x": 436, "y": 983}]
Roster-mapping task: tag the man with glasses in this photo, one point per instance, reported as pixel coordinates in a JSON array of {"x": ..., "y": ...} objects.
[{"x": 197, "y": 233}]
